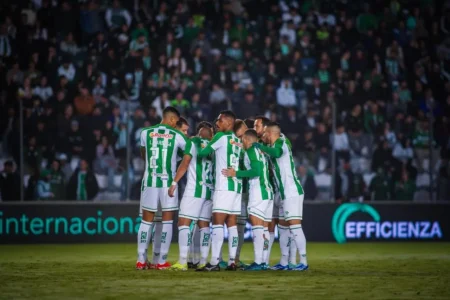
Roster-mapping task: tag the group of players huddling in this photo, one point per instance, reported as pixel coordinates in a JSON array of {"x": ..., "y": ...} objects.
[{"x": 234, "y": 174}]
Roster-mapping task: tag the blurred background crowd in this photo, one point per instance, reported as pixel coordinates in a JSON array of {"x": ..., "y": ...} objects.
[{"x": 369, "y": 79}]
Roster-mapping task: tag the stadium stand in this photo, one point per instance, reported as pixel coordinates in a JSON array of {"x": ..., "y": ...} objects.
[{"x": 84, "y": 70}]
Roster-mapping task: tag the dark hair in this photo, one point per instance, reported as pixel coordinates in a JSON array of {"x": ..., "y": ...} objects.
[
  {"x": 229, "y": 114},
  {"x": 182, "y": 121},
  {"x": 171, "y": 110},
  {"x": 265, "y": 121},
  {"x": 273, "y": 124},
  {"x": 249, "y": 122},
  {"x": 238, "y": 124},
  {"x": 251, "y": 133},
  {"x": 203, "y": 124},
  {"x": 8, "y": 163}
]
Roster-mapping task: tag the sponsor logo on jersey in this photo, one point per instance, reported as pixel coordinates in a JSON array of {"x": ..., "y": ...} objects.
[
  {"x": 161, "y": 135},
  {"x": 232, "y": 142}
]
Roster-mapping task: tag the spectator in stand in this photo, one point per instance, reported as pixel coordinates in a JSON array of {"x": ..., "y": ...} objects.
[
  {"x": 105, "y": 161},
  {"x": 381, "y": 186},
  {"x": 309, "y": 184},
  {"x": 181, "y": 104},
  {"x": 286, "y": 95},
  {"x": 341, "y": 143},
  {"x": 84, "y": 102},
  {"x": 116, "y": 16},
  {"x": 44, "y": 190},
  {"x": 9, "y": 182},
  {"x": 83, "y": 185},
  {"x": 404, "y": 188},
  {"x": 250, "y": 107}
]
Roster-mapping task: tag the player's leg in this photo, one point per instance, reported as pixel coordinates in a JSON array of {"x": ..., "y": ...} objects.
[
  {"x": 149, "y": 206},
  {"x": 233, "y": 237},
  {"x": 284, "y": 235},
  {"x": 220, "y": 209},
  {"x": 195, "y": 247},
  {"x": 241, "y": 223},
  {"x": 257, "y": 213},
  {"x": 168, "y": 206},
  {"x": 205, "y": 232},
  {"x": 268, "y": 239},
  {"x": 190, "y": 208},
  {"x": 156, "y": 239},
  {"x": 295, "y": 208}
]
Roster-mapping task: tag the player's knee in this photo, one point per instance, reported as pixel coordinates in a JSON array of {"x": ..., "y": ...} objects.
[
  {"x": 147, "y": 215},
  {"x": 203, "y": 224},
  {"x": 184, "y": 221},
  {"x": 167, "y": 215}
]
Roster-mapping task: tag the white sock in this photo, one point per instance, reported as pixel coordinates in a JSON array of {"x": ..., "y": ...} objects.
[
  {"x": 266, "y": 245},
  {"x": 216, "y": 242},
  {"x": 183, "y": 243},
  {"x": 292, "y": 251},
  {"x": 192, "y": 228},
  {"x": 157, "y": 229},
  {"x": 271, "y": 239},
  {"x": 284, "y": 241},
  {"x": 166, "y": 239},
  {"x": 205, "y": 243},
  {"x": 241, "y": 232},
  {"x": 196, "y": 245},
  {"x": 300, "y": 241},
  {"x": 143, "y": 239},
  {"x": 258, "y": 243},
  {"x": 233, "y": 241}
]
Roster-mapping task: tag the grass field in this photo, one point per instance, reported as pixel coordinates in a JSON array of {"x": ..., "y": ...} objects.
[{"x": 350, "y": 271}]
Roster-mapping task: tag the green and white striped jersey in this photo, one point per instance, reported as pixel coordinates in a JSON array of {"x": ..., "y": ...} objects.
[
  {"x": 162, "y": 143},
  {"x": 259, "y": 187},
  {"x": 227, "y": 151},
  {"x": 285, "y": 175},
  {"x": 199, "y": 176}
]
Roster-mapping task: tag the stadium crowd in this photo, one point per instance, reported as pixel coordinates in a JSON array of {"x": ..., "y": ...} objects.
[{"x": 89, "y": 73}]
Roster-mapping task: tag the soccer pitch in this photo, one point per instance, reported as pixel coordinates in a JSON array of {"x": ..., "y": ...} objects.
[{"x": 106, "y": 271}]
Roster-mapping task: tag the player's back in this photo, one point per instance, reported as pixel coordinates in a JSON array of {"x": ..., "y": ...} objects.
[
  {"x": 161, "y": 143},
  {"x": 285, "y": 176},
  {"x": 199, "y": 177},
  {"x": 228, "y": 148},
  {"x": 259, "y": 186}
]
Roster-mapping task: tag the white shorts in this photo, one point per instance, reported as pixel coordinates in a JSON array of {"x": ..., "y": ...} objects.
[
  {"x": 276, "y": 207},
  {"x": 158, "y": 214},
  {"x": 206, "y": 211},
  {"x": 242, "y": 218},
  {"x": 269, "y": 212},
  {"x": 153, "y": 198},
  {"x": 227, "y": 202},
  {"x": 258, "y": 208},
  {"x": 292, "y": 208},
  {"x": 191, "y": 207}
]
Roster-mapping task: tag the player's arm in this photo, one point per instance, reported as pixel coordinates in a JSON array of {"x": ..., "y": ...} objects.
[
  {"x": 211, "y": 147},
  {"x": 182, "y": 168},
  {"x": 142, "y": 144},
  {"x": 254, "y": 171},
  {"x": 276, "y": 151}
]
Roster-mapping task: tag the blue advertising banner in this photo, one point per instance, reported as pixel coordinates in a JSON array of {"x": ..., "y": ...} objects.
[{"x": 119, "y": 222}]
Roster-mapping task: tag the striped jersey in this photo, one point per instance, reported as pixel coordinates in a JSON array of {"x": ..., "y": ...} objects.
[
  {"x": 259, "y": 187},
  {"x": 162, "y": 144},
  {"x": 199, "y": 176},
  {"x": 227, "y": 151},
  {"x": 285, "y": 176}
]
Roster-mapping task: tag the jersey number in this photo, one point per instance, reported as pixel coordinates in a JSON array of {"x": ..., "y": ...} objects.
[{"x": 155, "y": 157}]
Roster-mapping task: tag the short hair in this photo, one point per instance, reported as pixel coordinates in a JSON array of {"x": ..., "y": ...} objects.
[
  {"x": 238, "y": 124},
  {"x": 182, "y": 121},
  {"x": 273, "y": 125},
  {"x": 249, "y": 122},
  {"x": 171, "y": 110},
  {"x": 8, "y": 163},
  {"x": 229, "y": 114},
  {"x": 265, "y": 121},
  {"x": 204, "y": 124},
  {"x": 251, "y": 133}
]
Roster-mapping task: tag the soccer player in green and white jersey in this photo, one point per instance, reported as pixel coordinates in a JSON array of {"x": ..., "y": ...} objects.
[
  {"x": 226, "y": 149},
  {"x": 289, "y": 187},
  {"x": 260, "y": 193},
  {"x": 240, "y": 127},
  {"x": 159, "y": 147},
  {"x": 196, "y": 204}
]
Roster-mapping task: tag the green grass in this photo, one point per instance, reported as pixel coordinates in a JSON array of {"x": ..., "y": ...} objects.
[{"x": 350, "y": 271}]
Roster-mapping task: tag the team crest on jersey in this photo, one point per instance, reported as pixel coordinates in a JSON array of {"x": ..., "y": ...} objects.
[
  {"x": 232, "y": 142},
  {"x": 161, "y": 135}
]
